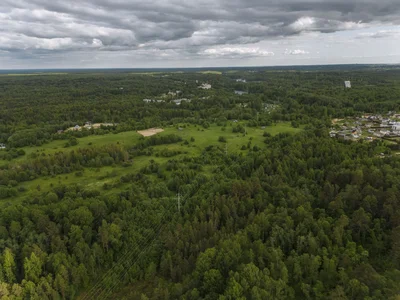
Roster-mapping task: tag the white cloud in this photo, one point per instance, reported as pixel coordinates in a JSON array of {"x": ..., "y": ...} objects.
[
  {"x": 236, "y": 51},
  {"x": 296, "y": 52},
  {"x": 304, "y": 23},
  {"x": 191, "y": 30},
  {"x": 380, "y": 34}
]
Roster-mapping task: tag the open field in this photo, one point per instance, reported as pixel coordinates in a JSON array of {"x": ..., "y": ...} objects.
[
  {"x": 199, "y": 138},
  {"x": 203, "y": 138},
  {"x": 211, "y": 72}
]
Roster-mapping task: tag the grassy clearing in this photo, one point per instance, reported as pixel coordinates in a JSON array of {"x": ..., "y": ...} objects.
[
  {"x": 97, "y": 177},
  {"x": 211, "y": 72},
  {"x": 203, "y": 138},
  {"x": 127, "y": 139},
  {"x": 206, "y": 137}
]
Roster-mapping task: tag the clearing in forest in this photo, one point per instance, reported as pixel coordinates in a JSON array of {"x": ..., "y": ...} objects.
[{"x": 150, "y": 131}]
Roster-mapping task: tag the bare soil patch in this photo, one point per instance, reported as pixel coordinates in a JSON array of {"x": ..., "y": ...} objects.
[
  {"x": 334, "y": 121},
  {"x": 150, "y": 131}
]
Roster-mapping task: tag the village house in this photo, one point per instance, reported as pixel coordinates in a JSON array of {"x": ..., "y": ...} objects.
[
  {"x": 2, "y": 146},
  {"x": 179, "y": 101}
]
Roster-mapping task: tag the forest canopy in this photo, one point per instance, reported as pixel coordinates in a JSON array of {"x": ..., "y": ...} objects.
[{"x": 239, "y": 197}]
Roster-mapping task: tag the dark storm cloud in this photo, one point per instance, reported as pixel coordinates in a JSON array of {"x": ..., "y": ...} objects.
[{"x": 186, "y": 26}]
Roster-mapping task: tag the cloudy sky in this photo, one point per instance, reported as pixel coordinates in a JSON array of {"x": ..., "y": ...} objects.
[{"x": 196, "y": 33}]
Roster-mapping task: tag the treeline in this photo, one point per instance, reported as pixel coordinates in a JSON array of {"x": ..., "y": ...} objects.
[{"x": 62, "y": 162}]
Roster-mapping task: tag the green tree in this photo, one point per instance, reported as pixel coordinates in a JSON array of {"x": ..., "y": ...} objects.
[
  {"x": 9, "y": 266},
  {"x": 32, "y": 268}
]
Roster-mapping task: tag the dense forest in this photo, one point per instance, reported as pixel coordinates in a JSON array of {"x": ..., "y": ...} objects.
[{"x": 299, "y": 215}]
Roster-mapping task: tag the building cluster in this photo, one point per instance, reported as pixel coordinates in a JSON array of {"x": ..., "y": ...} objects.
[
  {"x": 369, "y": 127},
  {"x": 174, "y": 94},
  {"x": 88, "y": 125},
  {"x": 176, "y": 101},
  {"x": 179, "y": 101},
  {"x": 153, "y": 100}
]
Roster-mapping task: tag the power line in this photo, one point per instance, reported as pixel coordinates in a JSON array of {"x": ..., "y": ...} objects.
[
  {"x": 105, "y": 286},
  {"x": 126, "y": 257},
  {"x": 122, "y": 277}
]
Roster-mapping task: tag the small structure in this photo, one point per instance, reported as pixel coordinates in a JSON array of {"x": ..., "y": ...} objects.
[
  {"x": 179, "y": 101},
  {"x": 77, "y": 127},
  {"x": 205, "y": 86},
  {"x": 347, "y": 84},
  {"x": 2, "y": 146},
  {"x": 241, "y": 80},
  {"x": 60, "y": 131},
  {"x": 240, "y": 93},
  {"x": 396, "y": 126}
]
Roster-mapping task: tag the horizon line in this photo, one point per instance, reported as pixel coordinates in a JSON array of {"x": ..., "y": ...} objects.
[{"x": 183, "y": 68}]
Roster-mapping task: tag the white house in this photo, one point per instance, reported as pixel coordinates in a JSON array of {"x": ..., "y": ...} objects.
[
  {"x": 205, "y": 86},
  {"x": 347, "y": 84},
  {"x": 396, "y": 126}
]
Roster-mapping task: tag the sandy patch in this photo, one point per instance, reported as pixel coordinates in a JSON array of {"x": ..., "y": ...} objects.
[
  {"x": 334, "y": 121},
  {"x": 150, "y": 131}
]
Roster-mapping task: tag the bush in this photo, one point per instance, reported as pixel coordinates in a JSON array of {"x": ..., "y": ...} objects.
[
  {"x": 266, "y": 134},
  {"x": 222, "y": 139}
]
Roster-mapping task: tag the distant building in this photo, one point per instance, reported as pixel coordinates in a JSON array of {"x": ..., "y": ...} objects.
[
  {"x": 396, "y": 126},
  {"x": 347, "y": 84},
  {"x": 77, "y": 127},
  {"x": 241, "y": 80},
  {"x": 240, "y": 93},
  {"x": 2, "y": 146},
  {"x": 205, "y": 86},
  {"x": 179, "y": 101}
]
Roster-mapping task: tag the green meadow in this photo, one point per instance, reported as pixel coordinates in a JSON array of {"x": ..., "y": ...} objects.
[{"x": 198, "y": 137}]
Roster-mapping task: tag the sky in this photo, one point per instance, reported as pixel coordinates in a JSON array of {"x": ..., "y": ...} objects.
[{"x": 187, "y": 33}]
